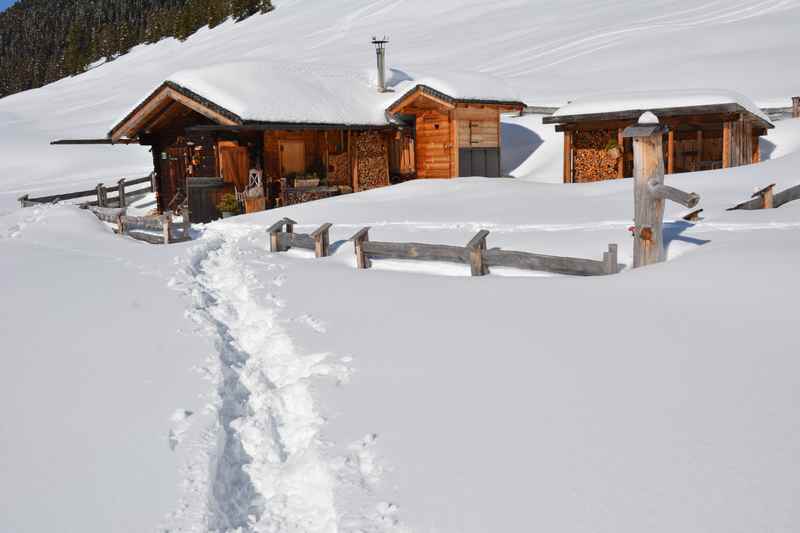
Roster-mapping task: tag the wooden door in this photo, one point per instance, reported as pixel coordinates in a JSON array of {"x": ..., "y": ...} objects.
[
  {"x": 433, "y": 146},
  {"x": 173, "y": 174},
  {"x": 293, "y": 157},
  {"x": 235, "y": 166}
]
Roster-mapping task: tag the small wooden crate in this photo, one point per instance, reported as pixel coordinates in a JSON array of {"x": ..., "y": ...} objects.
[{"x": 253, "y": 205}]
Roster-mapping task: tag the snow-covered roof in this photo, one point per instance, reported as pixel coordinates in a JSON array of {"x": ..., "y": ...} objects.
[
  {"x": 640, "y": 101},
  {"x": 320, "y": 93}
]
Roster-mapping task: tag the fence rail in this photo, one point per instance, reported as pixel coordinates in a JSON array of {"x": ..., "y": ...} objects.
[
  {"x": 163, "y": 229},
  {"x": 101, "y": 194},
  {"x": 475, "y": 254},
  {"x": 767, "y": 198}
]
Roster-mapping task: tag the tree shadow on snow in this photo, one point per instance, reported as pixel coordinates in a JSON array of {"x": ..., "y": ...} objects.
[{"x": 518, "y": 144}]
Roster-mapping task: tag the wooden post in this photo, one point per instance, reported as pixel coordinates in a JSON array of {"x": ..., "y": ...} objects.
[
  {"x": 671, "y": 152},
  {"x": 362, "y": 261},
  {"x": 621, "y": 147},
  {"x": 322, "y": 240},
  {"x": 166, "y": 221},
  {"x": 23, "y": 200},
  {"x": 650, "y": 191},
  {"x": 153, "y": 177},
  {"x": 767, "y": 195},
  {"x": 477, "y": 247},
  {"x": 101, "y": 195},
  {"x": 274, "y": 236},
  {"x": 121, "y": 193},
  {"x": 610, "y": 260},
  {"x": 699, "y": 156},
  {"x": 289, "y": 224},
  {"x": 796, "y": 106},
  {"x": 726, "y": 144},
  {"x": 568, "y": 156},
  {"x": 120, "y": 224}
]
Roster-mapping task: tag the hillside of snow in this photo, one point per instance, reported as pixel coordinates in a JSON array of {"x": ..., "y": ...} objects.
[{"x": 215, "y": 386}]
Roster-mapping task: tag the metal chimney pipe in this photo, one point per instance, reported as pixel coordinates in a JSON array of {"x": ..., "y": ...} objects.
[{"x": 380, "y": 50}]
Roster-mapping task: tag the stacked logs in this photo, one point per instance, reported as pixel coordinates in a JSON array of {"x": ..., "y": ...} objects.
[
  {"x": 592, "y": 160},
  {"x": 338, "y": 169},
  {"x": 373, "y": 160}
]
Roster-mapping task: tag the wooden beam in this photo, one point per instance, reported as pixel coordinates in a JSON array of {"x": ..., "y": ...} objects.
[
  {"x": 568, "y": 157},
  {"x": 726, "y": 144},
  {"x": 671, "y": 152},
  {"x": 621, "y": 162}
]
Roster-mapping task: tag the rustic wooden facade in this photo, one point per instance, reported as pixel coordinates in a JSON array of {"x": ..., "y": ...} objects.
[
  {"x": 198, "y": 143},
  {"x": 698, "y": 138}
]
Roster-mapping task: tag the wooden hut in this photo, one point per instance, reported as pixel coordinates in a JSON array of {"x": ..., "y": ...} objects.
[
  {"x": 707, "y": 130},
  {"x": 306, "y": 135}
]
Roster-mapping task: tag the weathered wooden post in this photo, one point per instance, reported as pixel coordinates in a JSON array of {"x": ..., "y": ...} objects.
[
  {"x": 767, "y": 195},
  {"x": 796, "y": 106},
  {"x": 153, "y": 178},
  {"x": 121, "y": 193},
  {"x": 101, "y": 195},
  {"x": 120, "y": 224},
  {"x": 322, "y": 240},
  {"x": 166, "y": 221},
  {"x": 650, "y": 191},
  {"x": 289, "y": 224},
  {"x": 476, "y": 247},
  {"x": 610, "y": 261},
  {"x": 23, "y": 200},
  {"x": 362, "y": 260}
]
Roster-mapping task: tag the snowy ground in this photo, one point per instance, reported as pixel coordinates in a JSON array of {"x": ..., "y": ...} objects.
[{"x": 213, "y": 385}]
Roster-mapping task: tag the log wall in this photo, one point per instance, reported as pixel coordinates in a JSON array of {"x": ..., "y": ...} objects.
[{"x": 372, "y": 159}]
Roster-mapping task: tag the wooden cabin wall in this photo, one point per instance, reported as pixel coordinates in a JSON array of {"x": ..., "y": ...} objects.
[
  {"x": 739, "y": 147},
  {"x": 478, "y": 127},
  {"x": 315, "y": 151},
  {"x": 371, "y": 159},
  {"x": 338, "y": 159},
  {"x": 434, "y": 145}
]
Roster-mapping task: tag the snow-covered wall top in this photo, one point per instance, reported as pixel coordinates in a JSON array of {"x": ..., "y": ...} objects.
[{"x": 649, "y": 100}]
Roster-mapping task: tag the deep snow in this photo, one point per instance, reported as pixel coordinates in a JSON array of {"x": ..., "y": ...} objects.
[{"x": 213, "y": 384}]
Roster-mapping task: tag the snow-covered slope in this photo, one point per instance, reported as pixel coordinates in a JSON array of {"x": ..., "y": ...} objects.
[
  {"x": 213, "y": 385},
  {"x": 549, "y": 51}
]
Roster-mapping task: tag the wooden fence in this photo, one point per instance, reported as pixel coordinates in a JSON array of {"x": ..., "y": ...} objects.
[
  {"x": 767, "y": 198},
  {"x": 118, "y": 195},
  {"x": 282, "y": 237},
  {"x": 155, "y": 230},
  {"x": 475, "y": 254}
]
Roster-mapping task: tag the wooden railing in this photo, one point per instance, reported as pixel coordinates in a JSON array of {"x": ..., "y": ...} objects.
[
  {"x": 154, "y": 229},
  {"x": 475, "y": 254},
  {"x": 282, "y": 237},
  {"x": 767, "y": 198},
  {"x": 479, "y": 258},
  {"x": 115, "y": 196}
]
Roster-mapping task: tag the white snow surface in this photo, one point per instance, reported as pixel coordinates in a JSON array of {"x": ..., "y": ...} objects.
[
  {"x": 212, "y": 385},
  {"x": 653, "y": 100}
]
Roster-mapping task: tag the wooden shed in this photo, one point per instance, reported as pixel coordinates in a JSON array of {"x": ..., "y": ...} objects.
[
  {"x": 453, "y": 136},
  {"x": 721, "y": 132}
]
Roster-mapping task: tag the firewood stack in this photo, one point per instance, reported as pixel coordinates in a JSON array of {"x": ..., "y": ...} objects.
[
  {"x": 593, "y": 162},
  {"x": 339, "y": 169},
  {"x": 373, "y": 160}
]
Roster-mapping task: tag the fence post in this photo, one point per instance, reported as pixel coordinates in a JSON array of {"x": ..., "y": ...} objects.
[
  {"x": 23, "y": 200},
  {"x": 796, "y": 106},
  {"x": 153, "y": 181},
  {"x": 101, "y": 195},
  {"x": 275, "y": 236},
  {"x": 121, "y": 192},
  {"x": 289, "y": 225},
  {"x": 476, "y": 248},
  {"x": 650, "y": 191},
  {"x": 767, "y": 195},
  {"x": 362, "y": 260},
  {"x": 610, "y": 260},
  {"x": 166, "y": 221},
  {"x": 322, "y": 240},
  {"x": 120, "y": 224}
]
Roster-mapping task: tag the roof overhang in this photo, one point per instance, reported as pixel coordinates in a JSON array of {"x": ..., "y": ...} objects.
[
  {"x": 664, "y": 112},
  {"x": 445, "y": 101},
  {"x": 168, "y": 93}
]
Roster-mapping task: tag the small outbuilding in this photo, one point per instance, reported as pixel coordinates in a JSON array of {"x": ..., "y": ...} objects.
[{"x": 707, "y": 130}]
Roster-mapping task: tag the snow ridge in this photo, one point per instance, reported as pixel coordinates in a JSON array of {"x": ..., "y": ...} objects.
[{"x": 269, "y": 472}]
